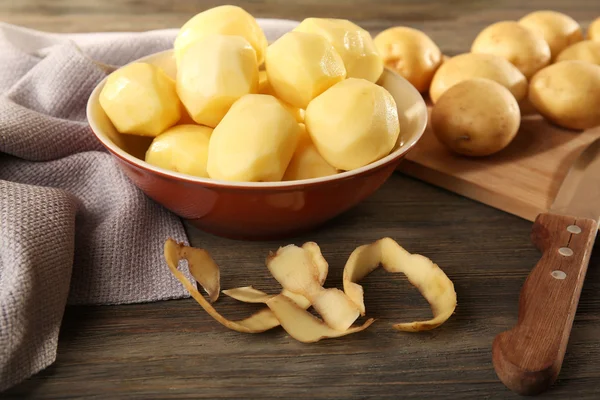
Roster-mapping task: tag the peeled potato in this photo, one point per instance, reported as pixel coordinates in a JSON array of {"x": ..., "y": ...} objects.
[
  {"x": 568, "y": 94},
  {"x": 593, "y": 32},
  {"x": 587, "y": 50},
  {"x": 307, "y": 162},
  {"x": 264, "y": 87},
  {"x": 300, "y": 66},
  {"x": 354, "y": 123},
  {"x": 254, "y": 142},
  {"x": 353, "y": 44},
  {"x": 411, "y": 53},
  {"x": 214, "y": 73},
  {"x": 140, "y": 99},
  {"x": 471, "y": 65},
  {"x": 524, "y": 48},
  {"x": 476, "y": 117},
  {"x": 223, "y": 20},
  {"x": 182, "y": 148},
  {"x": 558, "y": 29}
]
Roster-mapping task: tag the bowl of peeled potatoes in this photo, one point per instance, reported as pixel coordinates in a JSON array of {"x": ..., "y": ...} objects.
[{"x": 251, "y": 140}]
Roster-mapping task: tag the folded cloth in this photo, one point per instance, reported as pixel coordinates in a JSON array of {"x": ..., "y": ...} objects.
[{"x": 73, "y": 228}]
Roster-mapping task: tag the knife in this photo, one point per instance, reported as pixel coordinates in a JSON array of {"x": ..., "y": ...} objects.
[{"x": 528, "y": 358}]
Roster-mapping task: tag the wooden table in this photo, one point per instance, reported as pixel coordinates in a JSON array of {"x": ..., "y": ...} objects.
[{"x": 174, "y": 349}]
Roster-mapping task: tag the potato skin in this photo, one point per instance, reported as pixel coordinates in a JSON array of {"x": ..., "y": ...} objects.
[
  {"x": 593, "y": 32},
  {"x": 411, "y": 53},
  {"x": 470, "y": 65},
  {"x": 525, "y": 49},
  {"x": 587, "y": 50},
  {"x": 476, "y": 117},
  {"x": 568, "y": 94},
  {"x": 558, "y": 29}
]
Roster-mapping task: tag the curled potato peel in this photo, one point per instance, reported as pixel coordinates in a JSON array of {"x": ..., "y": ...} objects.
[
  {"x": 261, "y": 321},
  {"x": 295, "y": 268},
  {"x": 421, "y": 272}
]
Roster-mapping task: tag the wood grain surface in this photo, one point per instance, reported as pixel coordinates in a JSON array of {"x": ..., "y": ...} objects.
[
  {"x": 522, "y": 179},
  {"x": 173, "y": 349}
]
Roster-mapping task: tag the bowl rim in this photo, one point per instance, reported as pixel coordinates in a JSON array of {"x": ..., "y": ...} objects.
[{"x": 391, "y": 158}]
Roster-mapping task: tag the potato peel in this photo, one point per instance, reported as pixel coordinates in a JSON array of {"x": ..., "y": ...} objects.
[
  {"x": 256, "y": 323},
  {"x": 302, "y": 270},
  {"x": 295, "y": 270},
  {"x": 421, "y": 272},
  {"x": 201, "y": 266},
  {"x": 302, "y": 325}
]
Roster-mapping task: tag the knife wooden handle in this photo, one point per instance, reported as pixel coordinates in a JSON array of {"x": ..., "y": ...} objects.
[{"x": 528, "y": 357}]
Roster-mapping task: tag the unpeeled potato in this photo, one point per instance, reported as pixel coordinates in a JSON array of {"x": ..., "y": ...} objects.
[
  {"x": 476, "y": 117},
  {"x": 222, "y": 20},
  {"x": 411, "y": 53},
  {"x": 524, "y": 48},
  {"x": 353, "y": 123},
  {"x": 472, "y": 65},
  {"x": 558, "y": 29},
  {"x": 587, "y": 50},
  {"x": 568, "y": 94},
  {"x": 593, "y": 32},
  {"x": 183, "y": 148},
  {"x": 353, "y": 44},
  {"x": 254, "y": 142}
]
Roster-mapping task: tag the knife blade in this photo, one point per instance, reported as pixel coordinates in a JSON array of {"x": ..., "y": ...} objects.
[{"x": 528, "y": 358}]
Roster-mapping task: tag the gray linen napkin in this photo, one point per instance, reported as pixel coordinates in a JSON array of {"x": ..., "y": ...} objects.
[{"x": 73, "y": 228}]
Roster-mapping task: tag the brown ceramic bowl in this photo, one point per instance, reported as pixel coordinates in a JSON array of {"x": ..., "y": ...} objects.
[{"x": 258, "y": 210}]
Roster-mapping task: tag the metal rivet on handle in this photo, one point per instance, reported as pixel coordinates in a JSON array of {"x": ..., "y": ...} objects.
[
  {"x": 558, "y": 275},
  {"x": 574, "y": 229},
  {"x": 565, "y": 251}
]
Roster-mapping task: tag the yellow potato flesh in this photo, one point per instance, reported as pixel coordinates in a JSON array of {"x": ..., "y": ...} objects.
[
  {"x": 353, "y": 123},
  {"x": 410, "y": 53},
  {"x": 182, "y": 148},
  {"x": 524, "y": 48},
  {"x": 302, "y": 325},
  {"x": 587, "y": 50},
  {"x": 264, "y": 87},
  {"x": 214, "y": 73},
  {"x": 421, "y": 272},
  {"x": 593, "y": 32},
  {"x": 558, "y": 30},
  {"x": 140, "y": 99},
  {"x": 254, "y": 142},
  {"x": 300, "y": 66},
  {"x": 307, "y": 162},
  {"x": 476, "y": 117},
  {"x": 223, "y": 20},
  {"x": 471, "y": 65},
  {"x": 352, "y": 43},
  {"x": 568, "y": 94}
]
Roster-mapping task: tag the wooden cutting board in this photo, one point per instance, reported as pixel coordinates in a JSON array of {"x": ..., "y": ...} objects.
[{"x": 522, "y": 179}]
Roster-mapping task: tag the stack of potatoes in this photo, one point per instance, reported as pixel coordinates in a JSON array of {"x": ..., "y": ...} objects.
[
  {"x": 239, "y": 109},
  {"x": 540, "y": 61}
]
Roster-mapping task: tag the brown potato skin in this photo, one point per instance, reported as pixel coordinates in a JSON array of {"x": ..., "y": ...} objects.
[
  {"x": 410, "y": 53},
  {"x": 594, "y": 30},
  {"x": 587, "y": 50},
  {"x": 471, "y": 65},
  {"x": 568, "y": 94},
  {"x": 477, "y": 117},
  {"x": 559, "y": 30},
  {"x": 525, "y": 49}
]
